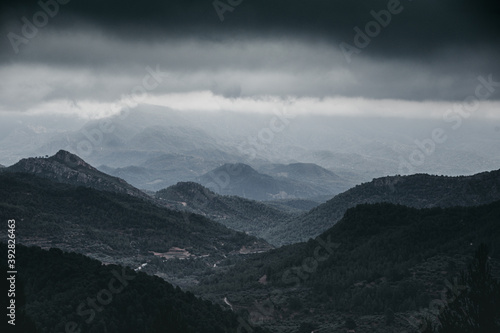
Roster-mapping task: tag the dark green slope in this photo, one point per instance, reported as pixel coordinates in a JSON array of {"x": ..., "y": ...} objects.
[
  {"x": 379, "y": 257},
  {"x": 418, "y": 191},
  {"x": 234, "y": 212},
  {"x": 107, "y": 225},
  {"x": 70, "y": 290}
]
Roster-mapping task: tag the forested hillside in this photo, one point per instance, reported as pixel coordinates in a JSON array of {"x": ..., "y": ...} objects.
[
  {"x": 61, "y": 290},
  {"x": 379, "y": 258},
  {"x": 419, "y": 191},
  {"x": 236, "y": 213},
  {"x": 109, "y": 226}
]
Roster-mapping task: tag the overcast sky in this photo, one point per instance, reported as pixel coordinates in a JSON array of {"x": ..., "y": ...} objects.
[{"x": 90, "y": 58}]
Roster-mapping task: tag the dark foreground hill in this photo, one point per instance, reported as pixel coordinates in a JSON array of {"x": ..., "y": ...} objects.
[
  {"x": 68, "y": 292},
  {"x": 418, "y": 191},
  {"x": 379, "y": 259}
]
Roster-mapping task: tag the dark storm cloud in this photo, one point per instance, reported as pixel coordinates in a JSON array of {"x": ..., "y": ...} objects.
[
  {"x": 94, "y": 52},
  {"x": 421, "y": 28},
  {"x": 87, "y": 66}
]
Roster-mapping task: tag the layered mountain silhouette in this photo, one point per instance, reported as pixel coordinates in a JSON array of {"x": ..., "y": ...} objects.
[
  {"x": 303, "y": 171},
  {"x": 104, "y": 224},
  {"x": 244, "y": 181},
  {"x": 385, "y": 246},
  {"x": 66, "y": 203},
  {"x": 163, "y": 170},
  {"x": 418, "y": 191},
  {"x": 352, "y": 150},
  {"x": 311, "y": 174}
]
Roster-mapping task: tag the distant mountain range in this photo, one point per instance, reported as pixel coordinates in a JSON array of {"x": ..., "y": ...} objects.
[
  {"x": 155, "y": 147},
  {"x": 276, "y": 224},
  {"x": 311, "y": 174},
  {"x": 297, "y": 180},
  {"x": 305, "y": 171},
  {"x": 163, "y": 170},
  {"x": 419, "y": 191}
]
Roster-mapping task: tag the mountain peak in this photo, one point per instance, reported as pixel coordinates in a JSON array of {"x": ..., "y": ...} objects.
[
  {"x": 70, "y": 159},
  {"x": 65, "y": 155},
  {"x": 65, "y": 167}
]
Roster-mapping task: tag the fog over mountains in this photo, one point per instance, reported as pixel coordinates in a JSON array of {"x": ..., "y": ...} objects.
[{"x": 155, "y": 147}]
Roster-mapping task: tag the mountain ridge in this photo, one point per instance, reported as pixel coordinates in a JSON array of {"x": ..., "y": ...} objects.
[
  {"x": 417, "y": 191},
  {"x": 244, "y": 181},
  {"x": 68, "y": 168},
  {"x": 234, "y": 212}
]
